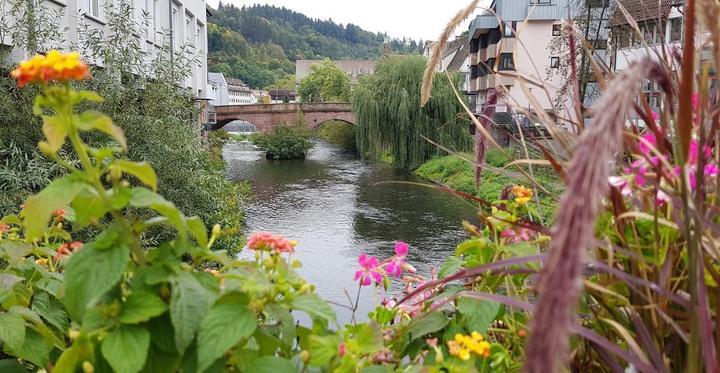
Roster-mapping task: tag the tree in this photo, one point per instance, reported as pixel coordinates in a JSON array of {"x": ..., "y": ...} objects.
[
  {"x": 325, "y": 83},
  {"x": 390, "y": 120},
  {"x": 590, "y": 25},
  {"x": 286, "y": 82}
]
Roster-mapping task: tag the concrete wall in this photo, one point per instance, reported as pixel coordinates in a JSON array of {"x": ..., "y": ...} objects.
[{"x": 183, "y": 20}]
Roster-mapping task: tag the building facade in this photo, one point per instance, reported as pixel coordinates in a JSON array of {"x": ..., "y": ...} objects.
[
  {"x": 455, "y": 58},
  {"x": 355, "y": 69},
  {"x": 158, "y": 24},
  {"x": 239, "y": 93},
  {"x": 512, "y": 41}
]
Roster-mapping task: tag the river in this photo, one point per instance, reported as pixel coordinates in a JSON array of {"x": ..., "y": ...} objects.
[{"x": 332, "y": 204}]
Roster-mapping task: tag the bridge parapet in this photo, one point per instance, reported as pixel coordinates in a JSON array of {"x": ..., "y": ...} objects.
[{"x": 266, "y": 116}]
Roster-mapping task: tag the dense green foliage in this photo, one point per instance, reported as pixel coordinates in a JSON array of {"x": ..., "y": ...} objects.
[
  {"x": 284, "y": 142},
  {"x": 338, "y": 133},
  {"x": 259, "y": 44},
  {"x": 459, "y": 175},
  {"x": 390, "y": 120},
  {"x": 325, "y": 83},
  {"x": 159, "y": 119}
]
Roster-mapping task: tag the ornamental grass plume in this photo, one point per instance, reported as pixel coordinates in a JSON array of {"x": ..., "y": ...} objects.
[
  {"x": 559, "y": 282},
  {"x": 436, "y": 52}
]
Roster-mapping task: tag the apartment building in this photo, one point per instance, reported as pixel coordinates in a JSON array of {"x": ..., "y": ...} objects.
[
  {"x": 355, "y": 69},
  {"x": 513, "y": 41},
  {"x": 158, "y": 23}
]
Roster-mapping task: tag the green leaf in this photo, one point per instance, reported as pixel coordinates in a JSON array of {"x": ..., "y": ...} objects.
[
  {"x": 51, "y": 310},
  {"x": 90, "y": 273},
  {"x": 222, "y": 328},
  {"x": 34, "y": 349},
  {"x": 126, "y": 348},
  {"x": 12, "y": 366},
  {"x": 366, "y": 340},
  {"x": 479, "y": 314},
  {"x": 55, "y": 132},
  {"x": 198, "y": 230},
  {"x": 141, "y": 306},
  {"x": 96, "y": 120},
  {"x": 188, "y": 304},
  {"x": 430, "y": 323},
  {"x": 141, "y": 170},
  {"x": 57, "y": 195},
  {"x": 522, "y": 249},
  {"x": 88, "y": 207},
  {"x": 452, "y": 264},
  {"x": 314, "y": 306},
  {"x": 272, "y": 364},
  {"x": 89, "y": 96},
  {"x": 146, "y": 198},
  {"x": 12, "y": 330},
  {"x": 285, "y": 321},
  {"x": 322, "y": 349}
]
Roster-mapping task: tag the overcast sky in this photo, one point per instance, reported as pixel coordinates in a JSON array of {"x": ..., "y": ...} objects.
[{"x": 409, "y": 18}]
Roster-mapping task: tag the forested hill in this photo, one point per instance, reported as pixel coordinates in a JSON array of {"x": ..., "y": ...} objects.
[{"x": 259, "y": 44}]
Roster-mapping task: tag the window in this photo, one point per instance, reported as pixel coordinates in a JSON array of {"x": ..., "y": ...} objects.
[
  {"x": 554, "y": 62},
  {"x": 676, "y": 29},
  {"x": 506, "y": 62},
  {"x": 509, "y": 30},
  {"x": 556, "y": 30},
  {"x": 648, "y": 32},
  {"x": 490, "y": 65},
  {"x": 92, "y": 7}
]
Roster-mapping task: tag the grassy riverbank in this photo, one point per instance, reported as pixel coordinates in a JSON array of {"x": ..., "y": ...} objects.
[{"x": 458, "y": 174}]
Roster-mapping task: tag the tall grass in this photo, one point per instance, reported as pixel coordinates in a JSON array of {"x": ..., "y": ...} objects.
[{"x": 631, "y": 275}]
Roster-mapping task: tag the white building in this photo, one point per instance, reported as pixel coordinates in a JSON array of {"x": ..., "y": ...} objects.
[
  {"x": 456, "y": 58},
  {"x": 501, "y": 51},
  {"x": 218, "y": 93},
  {"x": 239, "y": 93},
  {"x": 180, "y": 23}
]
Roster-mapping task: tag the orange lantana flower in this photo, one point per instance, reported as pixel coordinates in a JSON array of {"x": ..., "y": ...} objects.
[
  {"x": 522, "y": 194},
  {"x": 54, "y": 66}
]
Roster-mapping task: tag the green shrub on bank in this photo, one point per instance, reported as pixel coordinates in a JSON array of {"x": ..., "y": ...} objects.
[
  {"x": 459, "y": 175},
  {"x": 284, "y": 142},
  {"x": 338, "y": 133}
]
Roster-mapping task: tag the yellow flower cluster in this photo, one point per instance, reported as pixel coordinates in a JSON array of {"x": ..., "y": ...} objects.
[
  {"x": 464, "y": 345},
  {"x": 522, "y": 194},
  {"x": 54, "y": 66}
]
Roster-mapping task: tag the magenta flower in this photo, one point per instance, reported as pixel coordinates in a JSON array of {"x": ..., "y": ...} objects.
[
  {"x": 647, "y": 143},
  {"x": 620, "y": 183},
  {"x": 369, "y": 272},
  {"x": 711, "y": 170},
  {"x": 516, "y": 236},
  {"x": 394, "y": 267}
]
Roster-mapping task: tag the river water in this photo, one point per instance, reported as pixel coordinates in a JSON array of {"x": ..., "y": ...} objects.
[{"x": 332, "y": 204}]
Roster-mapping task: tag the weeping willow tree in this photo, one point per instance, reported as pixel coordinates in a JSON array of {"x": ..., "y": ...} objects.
[{"x": 390, "y": 120}]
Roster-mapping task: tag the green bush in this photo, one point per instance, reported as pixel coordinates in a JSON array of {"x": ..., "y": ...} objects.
[
  {"x": 459, "y": 175},
  {"x": 284, "y": 142},
  {"x": 338, "y": 133}
]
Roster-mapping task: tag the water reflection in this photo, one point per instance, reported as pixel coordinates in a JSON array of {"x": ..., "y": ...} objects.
[{"x": 332, "y": 204}]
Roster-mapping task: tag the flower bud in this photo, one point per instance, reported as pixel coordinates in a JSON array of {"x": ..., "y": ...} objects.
[
  {"x": 216, "y": 230},
  {"x": 304, "y": 356},
  {"x": 87, "y": 367},
  {"x": 73, "y": 334}
]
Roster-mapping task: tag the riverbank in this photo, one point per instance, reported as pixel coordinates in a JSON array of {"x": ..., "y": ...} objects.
[{"x": 459, "y": 174}]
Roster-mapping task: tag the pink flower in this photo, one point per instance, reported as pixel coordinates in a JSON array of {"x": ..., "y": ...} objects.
[
  {"x": 370, "y": 271},
  {"x": 694, "y": 152},
  {"x": 516, "y": 236},
  {"x": 655, "y": 116},
  {"x": 269, "y": 241},
  {"x": 620, "y": 183},
  {"x": 647, "y": 143},
  {"x": 342, "y": 349},
  {"x": 394, "y": 267},
  {"x": 661, "y": 198},
  {"x": 711, "y": 170}
]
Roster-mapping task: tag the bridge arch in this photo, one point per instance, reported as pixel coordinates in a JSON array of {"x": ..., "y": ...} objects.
[{"x": 267, "y": 116}]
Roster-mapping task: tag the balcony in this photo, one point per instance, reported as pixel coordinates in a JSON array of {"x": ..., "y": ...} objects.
[{"x": 482, "y": 24}]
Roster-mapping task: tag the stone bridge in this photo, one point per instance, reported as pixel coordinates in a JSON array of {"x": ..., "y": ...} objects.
[{"x": 266, "y": 116}]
